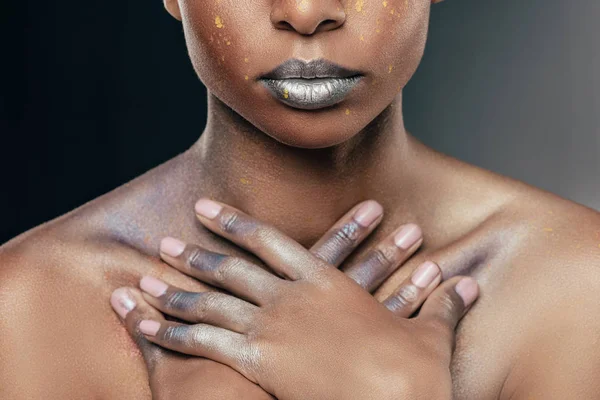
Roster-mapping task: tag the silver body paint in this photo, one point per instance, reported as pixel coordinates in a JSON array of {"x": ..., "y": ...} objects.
[{"x": 311, "y": 94}]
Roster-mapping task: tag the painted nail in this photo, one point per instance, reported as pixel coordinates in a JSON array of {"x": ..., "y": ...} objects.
[
  {"x": 408, "y": 236},
  {"x": 208, "y": 208},
  {"x": 149, "y": 327},
  {"x": 172, "y": 247},
  {"x": 368, "y": 213},
  {"x": 153, "y": 286},
  {"x": 122, "y": 302},
  {"x": 425, "y": 274},
  {"x": 467, "y": 289}
]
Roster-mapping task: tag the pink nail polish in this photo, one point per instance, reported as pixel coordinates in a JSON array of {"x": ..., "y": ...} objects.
[
  {"x": 172, "y": 247},
  {"x": 368, "y": 213},
  {"x": 208, "y": 208},
  {"x": 467, "y": 289},
  {"x": 149, "y": 328},
  {"x": 408, "y": 236},
  {"x": 122, "y": 302},
  {"x": 425, "y": 274},
  {"x": 153, "y": 286}
]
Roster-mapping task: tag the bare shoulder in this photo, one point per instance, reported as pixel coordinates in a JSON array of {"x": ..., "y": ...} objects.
[
  {"x": 59, "y": 337},
  {"x": 553, "y": 278}
]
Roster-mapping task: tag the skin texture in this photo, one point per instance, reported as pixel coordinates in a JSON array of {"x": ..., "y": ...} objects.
[
  {"x": 532, "y": 332},
  {"x": 315, "y": 335}
]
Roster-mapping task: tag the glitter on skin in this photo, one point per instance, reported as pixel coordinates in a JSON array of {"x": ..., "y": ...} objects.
[
  {"x": 302, "y": 6},
  {"x": 359, "y": 5},
  {"x": 219, "y": 22},
  {"x": 347, "y": 111}
]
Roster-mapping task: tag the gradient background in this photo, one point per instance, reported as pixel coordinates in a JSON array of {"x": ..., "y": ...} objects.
[{"x": 94, "y": 94}]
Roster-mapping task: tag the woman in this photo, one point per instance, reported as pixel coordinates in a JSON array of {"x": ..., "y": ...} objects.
[{"x": 297, "y": 158}]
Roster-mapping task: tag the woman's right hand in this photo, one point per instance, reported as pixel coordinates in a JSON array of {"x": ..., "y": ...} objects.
[{"x": 175, "y": 375}]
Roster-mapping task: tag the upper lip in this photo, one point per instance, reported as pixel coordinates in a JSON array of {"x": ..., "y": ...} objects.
[{"x": 319, "y": 68}]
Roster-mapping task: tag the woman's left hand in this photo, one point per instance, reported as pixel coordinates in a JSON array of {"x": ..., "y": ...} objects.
[{"x": 316, "y": 334}]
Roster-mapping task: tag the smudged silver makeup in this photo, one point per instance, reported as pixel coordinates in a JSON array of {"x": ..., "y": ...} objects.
[{"x": 310, "y": 85}]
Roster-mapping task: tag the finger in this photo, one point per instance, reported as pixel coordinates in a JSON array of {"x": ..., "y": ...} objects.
[
  {"x": 448, "y": 304},
  {"x": 283, "y": 254},
  {"x": 217, "y": 344},
  {"x": 131, "y": 307},
  {"x": 236, "y": 275},
  {"x": 348, "y": 232},
  {"x": 382, "y": 260},
  {"x": 213, "y": 308},
  {"x": 414, "y": 290}
]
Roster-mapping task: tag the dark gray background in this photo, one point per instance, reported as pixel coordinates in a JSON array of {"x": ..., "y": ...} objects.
[
  {"x": 96, "y": 93},
  {"x": 513, "y": 86}
]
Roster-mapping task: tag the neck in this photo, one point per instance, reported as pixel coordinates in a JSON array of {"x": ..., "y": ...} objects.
[{"x": 301, "y": 191}]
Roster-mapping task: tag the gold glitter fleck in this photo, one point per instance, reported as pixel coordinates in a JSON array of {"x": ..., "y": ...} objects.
[
  {"x": 390, "y": 67},
  {"x": 286, "y": 93},
  {"x": 385, "y": 3},
  {"x": 347, "y": 111},
  {"x": 246, "y": 59},
  {"x": 362, "y": 38},
  {"x": 228, "y": 43},
  {"x": 219, "y": 22},
  {"x": 246, "y": 77},
  {"x": 359, "y": 5},
  {"x": 245, "y": 181},
  {"x": 302, "y": 6},
  {"x": 548, "y": 229}
]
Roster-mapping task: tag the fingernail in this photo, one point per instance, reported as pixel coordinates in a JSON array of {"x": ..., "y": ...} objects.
[
  {"x": 368, "y": 213},
  {"x": 408, "y": 236},
  {"x": 467, "y": 289},
  {"x": 208, "y": 208},
  {"x": 149, "y": 328},
  {"x": 172, "y": 247},
  {"x": 425, "y": 274},
  {"x": 122, "y": 302},
  {"x": 153, "y": 286}
]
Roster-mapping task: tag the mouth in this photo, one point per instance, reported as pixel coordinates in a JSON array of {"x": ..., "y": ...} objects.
[{"x": 310, "y": 85}]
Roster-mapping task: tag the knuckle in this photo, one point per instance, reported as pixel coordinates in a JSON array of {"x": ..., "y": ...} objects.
[
  {"x": 226, "y": 269},
  {"x": 229, "y": 222},
  {"x": 196, "y": 258},
  {"x": 180, "y": 301},
  {"x": 447, "y": 305},
  {"x": 175, "y": 334},
  {"x": 207, "y": 302},
  {"x": 383, "y": 257},
  {"x": 266, "y": 234},
  {"x": 348, "y": 235},
  {"x": 405, "y": 297}
]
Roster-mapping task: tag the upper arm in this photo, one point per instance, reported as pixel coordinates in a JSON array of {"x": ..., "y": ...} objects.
[{"x": 57, "y": 337}]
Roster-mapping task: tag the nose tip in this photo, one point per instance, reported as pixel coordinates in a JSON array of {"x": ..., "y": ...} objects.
[{"x": 307, "y": 16}]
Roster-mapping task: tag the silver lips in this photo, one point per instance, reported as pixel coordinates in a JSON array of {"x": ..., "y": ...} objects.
[
  {"x": 311, "y": 94},
  {"x": 310, "y": 85}
]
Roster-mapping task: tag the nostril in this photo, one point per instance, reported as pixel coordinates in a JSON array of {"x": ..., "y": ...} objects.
[{"x": 284, "y": 25}]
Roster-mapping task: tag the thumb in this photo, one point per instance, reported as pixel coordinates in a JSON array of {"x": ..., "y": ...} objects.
[{"x": 448, "y": 303}]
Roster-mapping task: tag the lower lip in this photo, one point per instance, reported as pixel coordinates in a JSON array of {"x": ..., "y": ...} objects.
[{"x": 311, "y": 94}]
